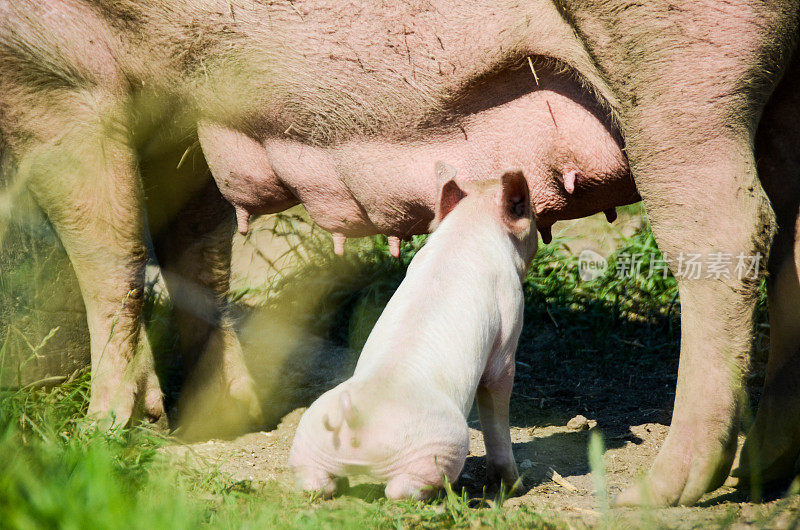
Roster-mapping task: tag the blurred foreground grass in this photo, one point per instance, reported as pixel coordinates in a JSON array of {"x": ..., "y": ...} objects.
[{"x": 58, "y": 472}]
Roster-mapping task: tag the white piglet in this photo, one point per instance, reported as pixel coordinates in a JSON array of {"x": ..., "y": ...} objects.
[{"x": 447, "y": 336}]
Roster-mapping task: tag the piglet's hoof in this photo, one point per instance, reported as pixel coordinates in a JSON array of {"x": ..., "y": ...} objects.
[
  {"x": 318, "y": 482},
  {"x": 408, "y": 487}
]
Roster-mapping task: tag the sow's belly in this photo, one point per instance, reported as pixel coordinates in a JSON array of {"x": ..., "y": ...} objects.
[{"x": 572, "y": 160}]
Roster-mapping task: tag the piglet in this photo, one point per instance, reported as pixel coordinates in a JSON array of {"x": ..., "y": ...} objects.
[{"x": 448, "y": 335}]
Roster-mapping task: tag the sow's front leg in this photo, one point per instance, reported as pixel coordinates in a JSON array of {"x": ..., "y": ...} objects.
[
  {"x": 84, "y": 176},
  {"x": 691, "y": 83},
  {"x": 773, "y": 444}
]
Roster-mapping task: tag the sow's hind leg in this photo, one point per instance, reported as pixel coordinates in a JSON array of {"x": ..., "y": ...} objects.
[
  {"x": 773, "y": 443},
  {"x": 772, "y": 447},
  {"x": 194, "y": 250},
  {"x": 84, "y": 176}
]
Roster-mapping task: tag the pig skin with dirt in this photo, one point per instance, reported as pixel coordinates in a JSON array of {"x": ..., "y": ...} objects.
[
  {"x": 346, "y": 107},
  {"x": 449, "y": 331}
]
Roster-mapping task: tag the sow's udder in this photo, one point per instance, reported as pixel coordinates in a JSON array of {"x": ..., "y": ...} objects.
[{"x": 572, "y": 160}]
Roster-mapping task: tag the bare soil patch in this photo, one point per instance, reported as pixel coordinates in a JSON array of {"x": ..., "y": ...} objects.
[{"x": 261, "y": 457}]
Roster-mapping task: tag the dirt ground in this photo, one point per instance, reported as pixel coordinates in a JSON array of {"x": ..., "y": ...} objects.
[{"x": 553, "y": 461}]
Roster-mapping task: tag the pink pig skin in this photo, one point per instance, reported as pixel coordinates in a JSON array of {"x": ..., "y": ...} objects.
[
  {"x": 447, "y": 336},
  {"x": 571, "y": 157}
]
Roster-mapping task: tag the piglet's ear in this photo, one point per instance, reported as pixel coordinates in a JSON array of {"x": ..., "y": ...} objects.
[
  {"x": 515, "y": 202},
  {"x": 449, "y": 197}
]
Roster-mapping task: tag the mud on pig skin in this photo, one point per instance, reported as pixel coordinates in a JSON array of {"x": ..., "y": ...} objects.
[{"x": 449, "y": 331}]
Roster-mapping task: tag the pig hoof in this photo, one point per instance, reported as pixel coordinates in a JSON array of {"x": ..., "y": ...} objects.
[
  {"x": 688, "y": 466},
  {"x": 636, "y": 495},
  {"x": 408, "y": 487},
  {"x": 505, "y": 475},
  {"x": 242, "y": 392},
  {"x": 111, "y": 409},
  {"x": 651, "y": 492},
  {"x": 152, "y": 407},
  {"x": 104, "y": 421},
  {"x": 318, "y": 482},
  {"x": 767, "y": 465}
]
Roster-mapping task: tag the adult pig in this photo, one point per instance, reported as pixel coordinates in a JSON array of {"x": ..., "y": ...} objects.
[
  {"x": 347, "y": 107},
  {"x": 450, "y": 330},
  {"x": 103, "y": 102}
]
